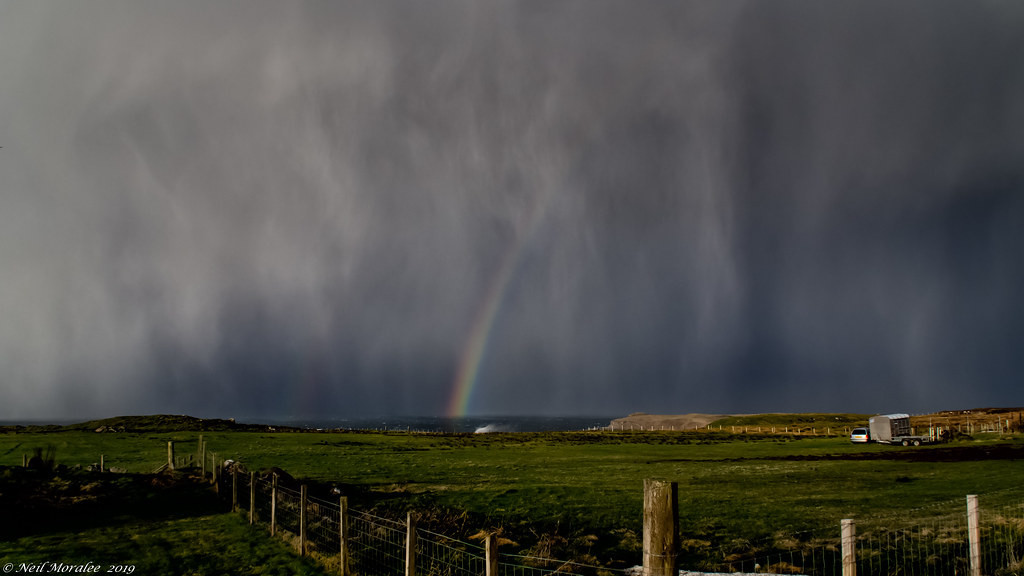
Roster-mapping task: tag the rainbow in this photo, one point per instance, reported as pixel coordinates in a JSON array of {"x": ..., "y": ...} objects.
[
  {"x": 475, "y": 350},
  {"x": 479, "y": 336}
]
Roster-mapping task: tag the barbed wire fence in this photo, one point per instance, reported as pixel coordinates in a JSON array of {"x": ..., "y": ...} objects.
[{"x": 941, "y": 538}]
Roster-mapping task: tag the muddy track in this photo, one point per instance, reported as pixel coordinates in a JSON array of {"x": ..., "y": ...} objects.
[{"x": 936, "y": 454}]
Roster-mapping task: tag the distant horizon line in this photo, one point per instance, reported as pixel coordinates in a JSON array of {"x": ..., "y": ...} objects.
[
  {"x": 287, "y": 419},
  {"x": 267, "y": 419}
]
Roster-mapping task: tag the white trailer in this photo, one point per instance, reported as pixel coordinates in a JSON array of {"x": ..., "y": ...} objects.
[{"x": 894, "y": 429}]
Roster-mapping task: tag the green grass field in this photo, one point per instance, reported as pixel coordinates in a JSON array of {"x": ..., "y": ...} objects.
[
  {"x": 731, "y": 487},
  {"x": 130, "y": 523},
  {"x": 589, "y": 479},
  {"x": 210, "y": 545}
]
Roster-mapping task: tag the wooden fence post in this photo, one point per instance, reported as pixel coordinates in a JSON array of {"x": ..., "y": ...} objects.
[
  {"x": 170, "y": 455},
  {"x": 661, "y": 527},
  {"x": 273, "y": 505},
  {"x": 302, "y": 520},
  {"x": 848, "y": 531},
  {"x": 491, "y": 552},
  {"x": 213, "y": 461},
  {"x": 410, "y": 545},
  {"x": 252, "y": 497},
  {"x": 101, "y": 463},
  {"x": 343, "y": 533},
  {"x": 234, "y": 488},
  {"x": 974, "y": 535},
  {"x": 202, "y": 456}
]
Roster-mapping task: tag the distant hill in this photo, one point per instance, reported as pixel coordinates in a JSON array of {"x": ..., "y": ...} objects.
[
  {"x": 644, "y": 421},
  {"x": 152, "y": 423},
  {"x": 809, "y": 423}
]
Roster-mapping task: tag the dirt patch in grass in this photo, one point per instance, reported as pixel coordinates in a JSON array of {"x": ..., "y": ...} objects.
[
  {"x": 66, "y": 499},
  {"x": 903, "y": 454},
  {"x": 934, "y": 454}
]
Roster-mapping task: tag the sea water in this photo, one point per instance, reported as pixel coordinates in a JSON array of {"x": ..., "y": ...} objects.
[{"x": 478, "y": 424}]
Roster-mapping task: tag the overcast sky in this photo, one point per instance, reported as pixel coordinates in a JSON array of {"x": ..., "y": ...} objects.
[{"x": 297, "y": 209}]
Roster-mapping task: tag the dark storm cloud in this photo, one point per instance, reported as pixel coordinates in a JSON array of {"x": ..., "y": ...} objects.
[
  {"x": 882, "y": 197},
  {"x": 285, "y": 209}
]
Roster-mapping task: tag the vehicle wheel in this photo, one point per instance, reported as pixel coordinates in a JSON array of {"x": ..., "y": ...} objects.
[
  {"x": 917, "y": 442},
  {"x": 906, "y": 443}
]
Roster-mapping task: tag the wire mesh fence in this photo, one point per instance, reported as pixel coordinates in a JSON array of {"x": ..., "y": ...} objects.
[
  {"x": 323, "y": 530},
  {"x": 937, "y": 542},
  {"x": 444, "y": 556},
  {"x": 800, "y": 553},
  {"x": 936, "y": 546},
  {"x": 241, "y": 490},
  {"x": 377, "y": 544},
  {"x": 264, "y": 501},
  {"x": 931, "y": 540},
  {"x": 516, "y": 565},
  {"x": 287, "y": 511},
  {"x": 1002, "y": 537}
]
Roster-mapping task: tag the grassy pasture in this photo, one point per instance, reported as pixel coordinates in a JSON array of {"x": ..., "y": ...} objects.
[
  {"x": 208, "y": 544},
  {"x": 835, "y": 424},
  {"x": 131, "y": 523},
  {"x": 730, "y": 486}
]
